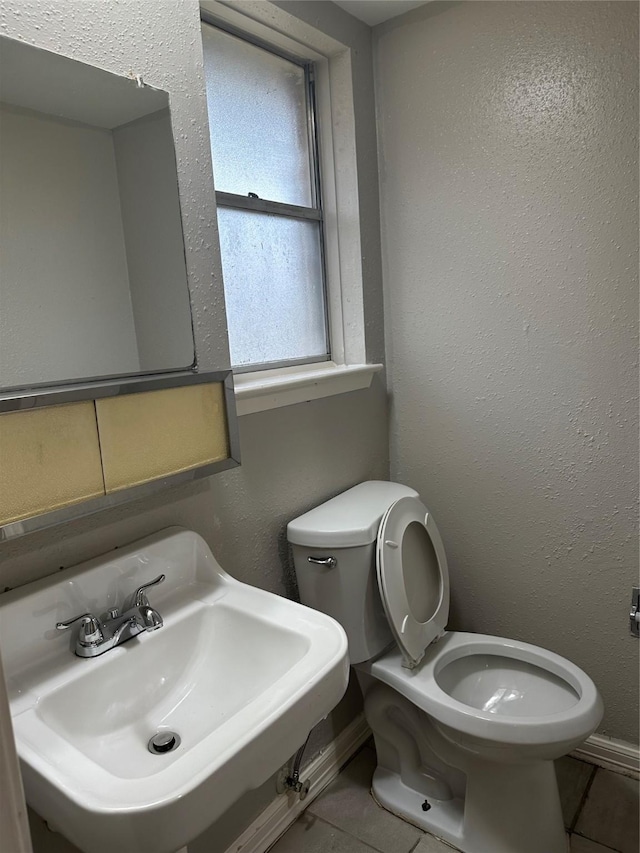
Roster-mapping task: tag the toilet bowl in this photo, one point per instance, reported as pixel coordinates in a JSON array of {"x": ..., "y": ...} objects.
[
  {"x": 512, "y": 699},
  {"x": 466, "y": 726}
]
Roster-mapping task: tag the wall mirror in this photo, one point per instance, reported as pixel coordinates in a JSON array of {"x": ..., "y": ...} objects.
[{"x": 93, "y": 280}]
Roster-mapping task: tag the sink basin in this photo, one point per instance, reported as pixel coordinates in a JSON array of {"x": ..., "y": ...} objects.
[{"x": 241, "y": 675}]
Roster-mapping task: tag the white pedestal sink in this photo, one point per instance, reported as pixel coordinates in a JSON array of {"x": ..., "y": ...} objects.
[{"x": 241, "y": 675}]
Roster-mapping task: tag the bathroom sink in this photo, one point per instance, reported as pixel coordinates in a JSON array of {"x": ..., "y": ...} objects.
[{"x": 238, "y": 674}]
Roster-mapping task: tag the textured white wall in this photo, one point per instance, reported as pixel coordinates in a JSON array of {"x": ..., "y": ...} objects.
[
  {"x": 65, "y": 307},
  {"x": 509, "y": 187}
]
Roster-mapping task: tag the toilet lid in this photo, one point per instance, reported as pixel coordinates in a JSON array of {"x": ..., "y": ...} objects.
[{"x": 413, "y": 577}]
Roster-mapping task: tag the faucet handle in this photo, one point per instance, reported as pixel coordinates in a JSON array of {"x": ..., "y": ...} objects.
[
  {"x": 139, "y": 598},
  {"x": 90, "y": 629}
]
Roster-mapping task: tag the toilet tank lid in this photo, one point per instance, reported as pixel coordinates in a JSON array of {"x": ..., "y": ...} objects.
[{"x": 348, "y": 520}]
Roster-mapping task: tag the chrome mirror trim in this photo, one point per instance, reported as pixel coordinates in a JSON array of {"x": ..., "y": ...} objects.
[{"x": 18, "y": 401}]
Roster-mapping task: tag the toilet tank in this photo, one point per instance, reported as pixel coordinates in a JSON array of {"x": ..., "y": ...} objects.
[{"x": 345, "y": 528}]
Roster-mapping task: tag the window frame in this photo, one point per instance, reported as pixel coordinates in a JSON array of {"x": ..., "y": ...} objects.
[
  {"x": 314, "y": 213},
  {"x": 347, "y": 370}
]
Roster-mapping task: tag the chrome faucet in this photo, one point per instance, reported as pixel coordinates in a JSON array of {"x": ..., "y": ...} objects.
[{"x": 96, "y": 637}]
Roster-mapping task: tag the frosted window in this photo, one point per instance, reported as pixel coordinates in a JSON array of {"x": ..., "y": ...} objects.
[
  {"x": 263, "y": 150},
  {"x": 258, "y": 120},
  {"x": 273, "y": 287}
]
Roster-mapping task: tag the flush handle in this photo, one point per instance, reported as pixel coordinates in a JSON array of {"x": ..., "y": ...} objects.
[
  {"x": 328, "y": 562},
  {"x": 634, "y": 613}
]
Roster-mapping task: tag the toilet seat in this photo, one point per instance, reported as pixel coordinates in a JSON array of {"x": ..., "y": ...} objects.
[{"x": 413, "y": 577}]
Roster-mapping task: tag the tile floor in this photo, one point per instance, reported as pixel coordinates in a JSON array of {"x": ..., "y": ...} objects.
[{"x": 600, "y": 810}]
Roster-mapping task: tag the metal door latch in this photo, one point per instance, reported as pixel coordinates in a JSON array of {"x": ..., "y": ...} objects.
[{"x": 634, "y": 613}]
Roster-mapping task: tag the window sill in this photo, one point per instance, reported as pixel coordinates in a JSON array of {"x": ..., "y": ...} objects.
[{"x": 271, "y": 389}]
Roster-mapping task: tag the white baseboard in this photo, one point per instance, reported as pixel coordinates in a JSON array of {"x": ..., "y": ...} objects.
[
  {"x": 283, "y": 811},
  {"x": 616, "y": 755}
]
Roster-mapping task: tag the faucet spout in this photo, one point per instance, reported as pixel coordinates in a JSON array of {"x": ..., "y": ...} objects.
[
  {"x": 135, "y": 621},
  {"x": 130, "y": 627}
]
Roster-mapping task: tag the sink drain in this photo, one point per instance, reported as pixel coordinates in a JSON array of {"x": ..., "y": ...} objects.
[{"x": 164, "y": 742}]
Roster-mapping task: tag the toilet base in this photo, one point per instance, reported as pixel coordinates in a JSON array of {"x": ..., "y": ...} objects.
[
  {"x": 444, "y": 818},
  {"x": 484, "y": 822}
]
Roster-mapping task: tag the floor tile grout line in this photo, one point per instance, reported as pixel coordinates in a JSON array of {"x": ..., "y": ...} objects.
[
  {"x": 350, "y": 834},
  {"x": 438, "y": 840},
  {"x": 327, "y": 820},
  {"x": 583, "y": 799},
  {"x": 599, "y": 843}
]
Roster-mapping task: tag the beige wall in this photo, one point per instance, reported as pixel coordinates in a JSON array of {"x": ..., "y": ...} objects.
[
  {"x": 292, "y": 458},
  {"x": 509, "y": 187}
]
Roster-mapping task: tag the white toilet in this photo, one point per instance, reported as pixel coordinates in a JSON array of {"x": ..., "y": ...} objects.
[{"x": 466, "y": 726}]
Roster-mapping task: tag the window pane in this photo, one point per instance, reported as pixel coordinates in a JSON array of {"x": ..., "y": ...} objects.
[
  {"x": 258, "y": 120},
  {"x": 273, "y": 287}
]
